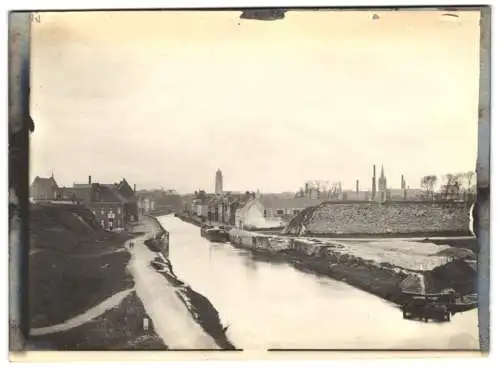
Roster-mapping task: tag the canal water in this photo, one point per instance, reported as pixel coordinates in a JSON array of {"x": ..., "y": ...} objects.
[{"x": 273, "y": 305}]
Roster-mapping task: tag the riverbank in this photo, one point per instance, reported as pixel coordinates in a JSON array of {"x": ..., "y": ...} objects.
[
  {"x": 269, "y": 304},
  {"x": 400, "y": 261},
  {"x": 75, "y": 270},
  {"x": 400, "y": 266},
  {"x": 382, "y": 268},
  {"x": 199, "y": 309}
]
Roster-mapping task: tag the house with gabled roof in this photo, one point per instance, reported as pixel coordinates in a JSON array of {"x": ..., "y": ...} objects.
[
  {"x": 114, "y": 205},
  {"x": 44, "y": 189},
  {"x": 271, "y": 211}
]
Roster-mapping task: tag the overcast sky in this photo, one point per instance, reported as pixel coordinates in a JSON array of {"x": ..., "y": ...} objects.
[{"x": 166, "y": 98}]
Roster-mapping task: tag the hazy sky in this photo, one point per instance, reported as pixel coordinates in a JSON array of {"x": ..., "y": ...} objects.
[{"x": 166, "y": 98}]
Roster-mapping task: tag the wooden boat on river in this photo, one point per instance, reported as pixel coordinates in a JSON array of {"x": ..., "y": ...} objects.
[
  {"x": 426, "y": 306},
  {"x": 216, "y": 234}
]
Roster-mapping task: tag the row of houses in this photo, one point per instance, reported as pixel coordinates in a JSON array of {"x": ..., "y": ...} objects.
[
  {"x": 114, "y": 205},
  {"x": 249, "y": 210},
  {"x": 269, "y": 211}
]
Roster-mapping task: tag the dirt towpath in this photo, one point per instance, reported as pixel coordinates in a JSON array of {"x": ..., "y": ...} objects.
[{"x": 172, "y": 320}]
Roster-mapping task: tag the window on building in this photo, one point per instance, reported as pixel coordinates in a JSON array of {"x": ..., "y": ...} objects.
[
  {"x": 102, "y": 211},
  {"x": 279, "y": 212},
  {"x": 118, "y": 210}
]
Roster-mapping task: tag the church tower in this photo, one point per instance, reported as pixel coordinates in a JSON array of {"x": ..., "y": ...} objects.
[
  {"x": 382, "y": 185},
  {"x": 218, "y": 182}
]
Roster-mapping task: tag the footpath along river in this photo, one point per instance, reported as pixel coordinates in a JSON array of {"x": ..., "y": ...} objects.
[{"x": 273, "y": 305}]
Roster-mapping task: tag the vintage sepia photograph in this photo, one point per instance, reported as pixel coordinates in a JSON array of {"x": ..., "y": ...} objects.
[{"x": 251, "y": 180}]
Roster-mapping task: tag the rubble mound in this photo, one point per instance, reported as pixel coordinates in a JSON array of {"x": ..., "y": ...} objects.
[
  {"x": 297, "y": 225},
  {"x": 457, "y": 275}
]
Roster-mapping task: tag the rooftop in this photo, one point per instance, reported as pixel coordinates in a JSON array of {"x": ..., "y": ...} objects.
[{"x": 45, "y": 182}]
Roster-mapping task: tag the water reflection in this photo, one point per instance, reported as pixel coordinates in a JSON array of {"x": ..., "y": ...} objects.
[{"x": 274, "y": 305}]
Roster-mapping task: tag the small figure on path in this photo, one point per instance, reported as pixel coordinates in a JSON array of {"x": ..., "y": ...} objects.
[{"x": 131, "y": 244}]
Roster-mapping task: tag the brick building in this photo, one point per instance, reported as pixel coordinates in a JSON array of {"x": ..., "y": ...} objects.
[{"x": 113, "y": 205}]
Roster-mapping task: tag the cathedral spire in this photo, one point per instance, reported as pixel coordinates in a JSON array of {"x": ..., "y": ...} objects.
[{"x": 382, "y": 184}]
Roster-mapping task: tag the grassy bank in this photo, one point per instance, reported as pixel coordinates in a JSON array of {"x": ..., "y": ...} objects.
[
  {"x": 75, "y": 265},
  {"x": 120, "y": 328},
  {"x": 62, "y": 286}
]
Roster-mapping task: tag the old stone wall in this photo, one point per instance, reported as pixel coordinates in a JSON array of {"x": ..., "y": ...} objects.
[{"x": 383, "y": 218}]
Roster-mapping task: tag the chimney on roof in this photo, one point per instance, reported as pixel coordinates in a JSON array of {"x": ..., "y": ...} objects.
[
  {"x": 90, "y": 180},
  {"x": 134, "y": 187}
]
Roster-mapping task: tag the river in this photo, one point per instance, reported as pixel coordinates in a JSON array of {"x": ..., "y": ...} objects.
[{"x": 273, "y": 305}]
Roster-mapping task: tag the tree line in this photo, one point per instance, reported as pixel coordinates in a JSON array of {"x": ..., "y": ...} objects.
[{"x": 452, "y": 185}]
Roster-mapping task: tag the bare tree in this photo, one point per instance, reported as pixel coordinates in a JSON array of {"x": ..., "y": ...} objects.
[
  {"x": 428, "y": 183},
  {"x": 452, "y": 183},
  {"x": 469, "y": 177}
]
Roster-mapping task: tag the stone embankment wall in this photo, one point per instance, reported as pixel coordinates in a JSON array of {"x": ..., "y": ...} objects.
[
  {"x": 379, "y": 277},
  {"x": 157, "y": 238},
  {"x": 368, "y": 218},
  {"x": 258, "y": 241}
]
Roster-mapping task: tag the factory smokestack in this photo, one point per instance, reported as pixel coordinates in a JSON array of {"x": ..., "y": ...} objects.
[{"x": 357, "y": 187}]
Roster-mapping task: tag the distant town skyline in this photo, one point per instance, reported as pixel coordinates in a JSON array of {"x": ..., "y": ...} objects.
[
  {"x": 364, "y": 186},
  {"x": 272, "y": 104}
]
